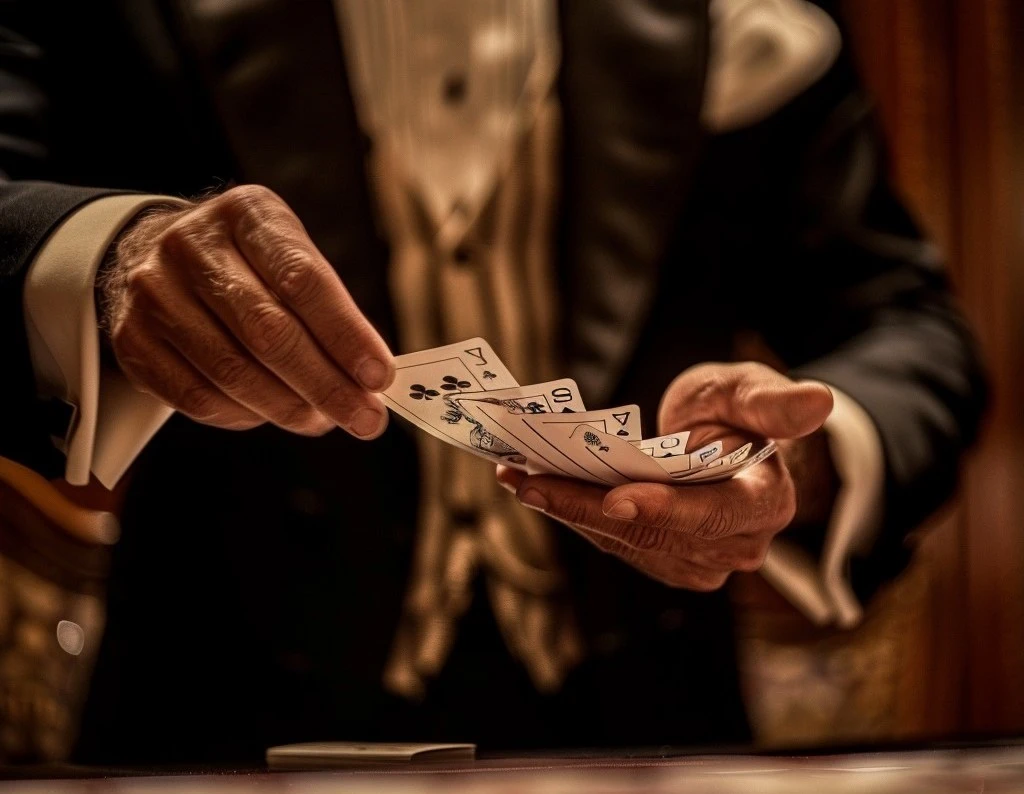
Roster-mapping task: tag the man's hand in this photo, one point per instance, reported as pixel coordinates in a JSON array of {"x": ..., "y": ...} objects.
[
  {"x": 226, "y": 311},
  {"x": 694, "y": 536}
]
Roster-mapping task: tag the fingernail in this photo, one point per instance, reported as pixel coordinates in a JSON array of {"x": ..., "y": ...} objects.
[
  {"x": 624, "y": 509},
  {"x": 508, "y": 478},
  {"x": 535, "y": 499},
  {"x": 373, "y": 374},
  {"x": 368, "y": 422}
]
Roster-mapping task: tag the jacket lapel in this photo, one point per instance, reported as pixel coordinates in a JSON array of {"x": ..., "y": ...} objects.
[
  {"x": 632, "y": 85},
  {"x": 276, "y": 73}
]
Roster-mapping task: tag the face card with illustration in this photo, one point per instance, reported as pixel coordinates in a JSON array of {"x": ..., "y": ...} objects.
[
  {"x": 503, "y": 413},
  {"x": 623, "y": 422},
  {"x": 426, "y": 381}
]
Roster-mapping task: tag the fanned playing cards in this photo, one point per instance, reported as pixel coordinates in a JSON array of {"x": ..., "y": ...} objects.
[{"x": 463, "y": 395}]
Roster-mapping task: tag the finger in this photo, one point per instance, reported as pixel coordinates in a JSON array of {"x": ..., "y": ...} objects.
[
  {"x": 747, "y": 396},
  {"x": 274, "y": 242},
  {"x": 508, "y": 478},
  {"x": 667, "y": 569},
  {"x": 276, "y": 338},
  {"x": 580, "y": 505},
  {"x": 157, "y": 368},
  {"x": 760, "y": 500},
  {"x": 567, "y": 500},
  {"x": 200, "y": 338},
  {"x": 734, "y": 553},
  {"x": 235, "y": 373}
]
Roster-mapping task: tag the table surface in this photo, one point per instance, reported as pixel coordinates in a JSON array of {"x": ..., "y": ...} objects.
[{"x": 990, "y": 769}]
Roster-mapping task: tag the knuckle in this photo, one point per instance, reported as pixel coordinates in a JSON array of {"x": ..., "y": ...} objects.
[
  {"x": 231, "y": 371},
  {"x": 175, "y": 240},
  {"x": 189, "y": 239},
  {"x": 198, "y": 402},
  {"x": 143, "y": 281},
  {"x": 249, "y": 201},
  {"x": 299, "y": 417},
  {"x": 295, "y": 276},
  {"x": 333, "y": 396},
  {"x": 713, "y": 386},
  {"x": 269, "y": 332}
]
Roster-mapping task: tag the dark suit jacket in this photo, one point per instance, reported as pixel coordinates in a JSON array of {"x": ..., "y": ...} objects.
[{"x": 260, "y": 576}]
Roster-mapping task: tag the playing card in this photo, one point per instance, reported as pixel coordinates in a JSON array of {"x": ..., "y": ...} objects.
[
  {"x": 426, "y": 382},
  {"x": 464, "y": 395},
  {"x": 669, "y": 451},
  {"x": 607, "y": 459},
  {"x": 730, "y": 465},
  {"x": 502, "y": 413},
  {"x": 623, "y": 422},
  {"x": 668, "y": 446},
  {"x": 706, "y": 454}
]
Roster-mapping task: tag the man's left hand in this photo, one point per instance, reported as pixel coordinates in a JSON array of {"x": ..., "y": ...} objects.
[{"x": 695, "y": 536}]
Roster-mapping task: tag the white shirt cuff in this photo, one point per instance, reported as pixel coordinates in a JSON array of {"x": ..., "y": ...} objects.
[
  {"x": 821, "y": 589},
  {"x": 112, "y": 421}
]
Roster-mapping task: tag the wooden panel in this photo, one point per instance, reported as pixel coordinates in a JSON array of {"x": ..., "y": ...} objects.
[
  {"x": 989, "y": 211},
  {"x": 947, "y": 77}
]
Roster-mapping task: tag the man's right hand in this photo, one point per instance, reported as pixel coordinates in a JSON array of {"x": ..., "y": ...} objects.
[{"x": 226, "y": 311}]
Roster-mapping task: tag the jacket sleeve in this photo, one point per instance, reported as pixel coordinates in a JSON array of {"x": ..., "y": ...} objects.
[
  {"x": 838, "y": 279},
  {"x": 30, "y": 209}
]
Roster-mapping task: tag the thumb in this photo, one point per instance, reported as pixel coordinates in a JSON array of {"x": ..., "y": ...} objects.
[{"x": 749, "y": 397}]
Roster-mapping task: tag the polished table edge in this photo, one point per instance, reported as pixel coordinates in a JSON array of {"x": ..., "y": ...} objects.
[{"x": 567, "y": 760}]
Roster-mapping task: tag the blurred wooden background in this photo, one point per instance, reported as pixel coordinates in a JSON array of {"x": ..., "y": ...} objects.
[
  {"x": 948, "y": 78},
  {"x": 942, "y": 651}
]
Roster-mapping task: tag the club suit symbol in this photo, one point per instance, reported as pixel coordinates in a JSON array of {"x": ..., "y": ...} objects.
[
  {"x": 420, "y": 392},
  {"x": 451, "y": 383}
]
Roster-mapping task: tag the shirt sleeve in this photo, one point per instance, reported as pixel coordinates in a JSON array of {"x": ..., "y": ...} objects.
[
  {"x": 821, "y": 588},
  {"x": 111, "y": 422}
]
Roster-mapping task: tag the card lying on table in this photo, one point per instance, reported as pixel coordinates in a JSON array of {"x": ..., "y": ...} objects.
[
  {"x": 332, "y": 755},
  {"x": 463, "y": 395}
]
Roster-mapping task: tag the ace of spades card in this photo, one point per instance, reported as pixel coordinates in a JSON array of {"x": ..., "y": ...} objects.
[{"x": 426, "y": 382}]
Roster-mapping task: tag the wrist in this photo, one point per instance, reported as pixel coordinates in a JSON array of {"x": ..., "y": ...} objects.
[{"x": 130, "y": 245}]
